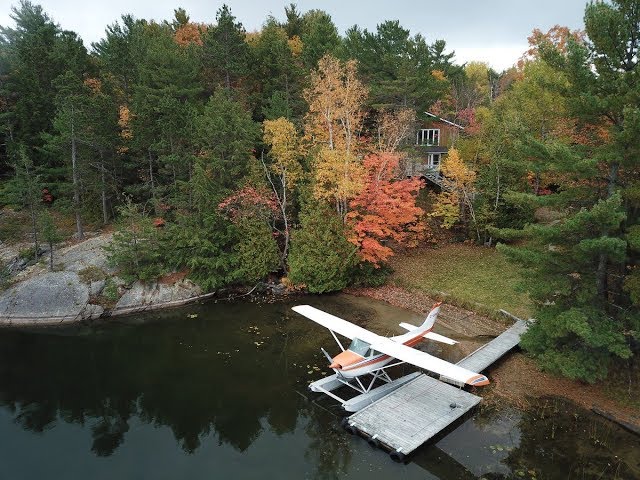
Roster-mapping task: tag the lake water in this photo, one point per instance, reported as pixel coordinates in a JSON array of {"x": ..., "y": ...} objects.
[{"x": 219, "y": 391}]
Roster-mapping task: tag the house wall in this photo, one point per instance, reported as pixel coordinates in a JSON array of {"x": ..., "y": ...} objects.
[{"x": 448, "y": 133}]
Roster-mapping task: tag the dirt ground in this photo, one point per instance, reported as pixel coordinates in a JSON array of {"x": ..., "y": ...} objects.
[{"x": 515, "y": 379}]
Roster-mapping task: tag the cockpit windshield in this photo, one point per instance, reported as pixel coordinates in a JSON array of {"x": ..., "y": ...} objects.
[{"x": 360, "y": 347}]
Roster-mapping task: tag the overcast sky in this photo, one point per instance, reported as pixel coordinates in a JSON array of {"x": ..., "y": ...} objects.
[{"x": 493, "y": 31}]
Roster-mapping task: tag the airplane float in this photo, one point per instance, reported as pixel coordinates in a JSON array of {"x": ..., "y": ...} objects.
[{"x": 371, "y": 354}]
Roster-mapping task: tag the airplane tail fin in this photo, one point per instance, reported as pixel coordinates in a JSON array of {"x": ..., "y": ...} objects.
[{"x": 431, "y": 318}]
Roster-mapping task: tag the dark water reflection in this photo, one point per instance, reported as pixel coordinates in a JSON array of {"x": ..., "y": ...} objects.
[{"x": 223, "y": 395}]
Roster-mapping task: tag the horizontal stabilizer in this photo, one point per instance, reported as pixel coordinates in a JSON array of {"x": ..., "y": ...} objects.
[
  {"x": 408, "y": 326},
  {"x": 429, "y": 335},
  {"x": 439, "y": 338}
]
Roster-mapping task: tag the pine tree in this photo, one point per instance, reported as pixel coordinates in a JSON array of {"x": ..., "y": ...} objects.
[
  {"x": 226, "y": 53},
  {"x": 50, "y": 233}
]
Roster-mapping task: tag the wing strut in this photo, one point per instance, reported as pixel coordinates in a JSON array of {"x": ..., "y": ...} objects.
[{"x": 337, "y": 341}]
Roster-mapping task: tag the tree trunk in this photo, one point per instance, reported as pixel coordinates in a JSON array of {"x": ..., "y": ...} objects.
[
  {"x": 105, "y": 213},
  {"x": 153, "y": 185},
  {"x": 76, "y": 181},
  {"x": 614, "y": 167},
  {"x": 601, "y": 276},
  {"x": 283, "y": 208},
  {"x": 51, "y": 256},
  {"x": 34, "y": 225},
  {"x": 601, "y": 272}
]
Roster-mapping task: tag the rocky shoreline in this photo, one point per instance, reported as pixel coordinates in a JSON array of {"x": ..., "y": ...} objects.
[{"x": 82, "y": 287}]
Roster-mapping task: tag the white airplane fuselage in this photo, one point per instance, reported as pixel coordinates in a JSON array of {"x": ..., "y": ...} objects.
[{"x": 351, "y": 364}]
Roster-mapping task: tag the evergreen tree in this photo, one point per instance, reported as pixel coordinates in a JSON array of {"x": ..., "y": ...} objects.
[
  {"x": 34, "y": 54},
  {"x": 227, "y": 137},
  {"x": 23, "y": 190},
  {"x": 399, "y": 68},
  {"x": 49, "y": 232},
  {"x": 319, "y": 37},
  {"x": 321, "y": 257},
  {"x": 163, "y": 109},
  {"x": 585, "y": 319},
  {"x": 117, "y": 53},
  {"x": 226, "y": 54},
  {"x": 256, "y": 250},
  {"x": 70, "y": 122},
  {"x": 278, "y": 71},
  {"x": 138, "y": 248}
]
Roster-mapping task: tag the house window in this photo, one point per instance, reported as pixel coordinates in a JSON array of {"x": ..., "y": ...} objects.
[
  {"x": 428, "y": 136},
  {"x": 433, "y": 160}
]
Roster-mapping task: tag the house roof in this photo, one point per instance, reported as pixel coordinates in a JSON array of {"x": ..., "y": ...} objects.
[{"x": 445, "y": 121}]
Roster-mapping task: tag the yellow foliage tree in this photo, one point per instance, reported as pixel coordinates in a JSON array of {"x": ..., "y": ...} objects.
[
  {"x": 394, "y": 128},
  {"x": 295, "y": 45},
  {"x": 335, "y": 97},
  {"x": 456, "y": 198},
  {"x": 285, "y": 170},
  {"x": 333, "y": 124},
  {"x": 339, "y": 177}
]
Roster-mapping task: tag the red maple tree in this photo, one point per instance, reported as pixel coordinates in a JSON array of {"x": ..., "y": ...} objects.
[
  {"x": 249, "y": 202},
  {"x": 385, "y": 210}
]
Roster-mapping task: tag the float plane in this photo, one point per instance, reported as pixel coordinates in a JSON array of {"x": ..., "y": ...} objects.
[{"x": 370, "y": 353}]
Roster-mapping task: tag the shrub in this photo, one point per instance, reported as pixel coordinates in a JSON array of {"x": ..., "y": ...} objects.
[
  {"x": 92, "y": 274},
  {"x": 365, "y": 274},
  {"x": 206, "y": 247},
  {"x": 110, "y": 290},
  {"x": 138, "y": 248},
  {"x": 257, "y": 252}
]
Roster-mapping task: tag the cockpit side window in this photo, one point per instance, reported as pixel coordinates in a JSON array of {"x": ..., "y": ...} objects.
[{"x": 360, "y": 347}]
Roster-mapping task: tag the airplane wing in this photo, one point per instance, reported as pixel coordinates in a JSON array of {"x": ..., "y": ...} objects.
[
  {"x": 428, "y": 362},
  {"x": 335, "y": 324}
]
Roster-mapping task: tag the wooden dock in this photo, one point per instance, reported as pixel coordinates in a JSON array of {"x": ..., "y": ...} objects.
[
  {"x": 420, "y": 409},
  {"x": 412, "y": 414}
]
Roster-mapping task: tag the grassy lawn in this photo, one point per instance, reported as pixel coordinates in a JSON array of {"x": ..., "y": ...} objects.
[{"x": 477, "y": 278}]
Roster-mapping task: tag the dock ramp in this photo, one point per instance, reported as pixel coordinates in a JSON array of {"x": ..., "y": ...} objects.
[{"x": 491, "y": 352}]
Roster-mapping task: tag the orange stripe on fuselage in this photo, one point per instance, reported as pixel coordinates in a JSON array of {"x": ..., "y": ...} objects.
[{"x": 409, "y": 343}]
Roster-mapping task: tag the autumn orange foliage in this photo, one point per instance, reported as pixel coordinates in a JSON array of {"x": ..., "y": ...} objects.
[
  {"x": 557, "y": 36},
  {"x": 94, "y": 84},
  {"x": 124, "y": 122},
  {"x": 384, "y": 210},
  {"x": 190, "y": 33},
  {"x": 249, "y": 202}
]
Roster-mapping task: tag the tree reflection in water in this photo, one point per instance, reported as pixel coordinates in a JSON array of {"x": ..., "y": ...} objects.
[{"x": 187, "y": 376}]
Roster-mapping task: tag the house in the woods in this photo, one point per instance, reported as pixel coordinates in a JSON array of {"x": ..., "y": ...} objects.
[{"x": 434, "y": 137}]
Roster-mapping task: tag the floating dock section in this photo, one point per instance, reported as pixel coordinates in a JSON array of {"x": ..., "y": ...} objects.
[
  {"x": 411, "y": 415},
  {"x": 423, "y": 407}
]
